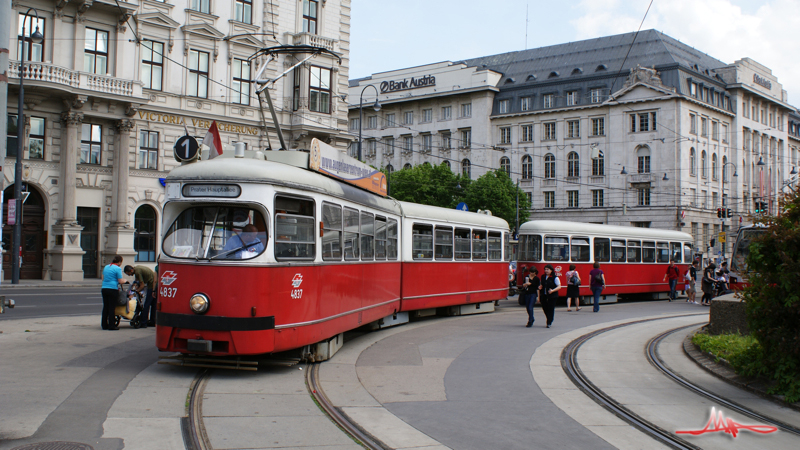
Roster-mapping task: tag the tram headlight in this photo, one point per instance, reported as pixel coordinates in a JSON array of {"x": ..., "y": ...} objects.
[{"x": 199, "y": 303}]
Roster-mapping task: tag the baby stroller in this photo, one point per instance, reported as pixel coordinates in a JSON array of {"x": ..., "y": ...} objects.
[{"x": 130, "y": 306}]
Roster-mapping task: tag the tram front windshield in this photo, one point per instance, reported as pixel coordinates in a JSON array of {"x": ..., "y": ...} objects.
[
  {"x": 217, "y": 232},
  {"x": 742, "y": 248}
]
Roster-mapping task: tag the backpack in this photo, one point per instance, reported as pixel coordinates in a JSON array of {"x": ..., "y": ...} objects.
[
  {"x": 574, "y": 280},
  {"x": 598, "y": 278},
  {"x": 687, "y": 276}
]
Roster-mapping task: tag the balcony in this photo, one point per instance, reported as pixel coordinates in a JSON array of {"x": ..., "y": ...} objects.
[
  {"x": 641, "y": 178},
  {"x": 46, "y": 74},
  {"x": 597, "y": 180},
  {"x": 549, "y": 182},
  {"x": 315, "y": 41}
]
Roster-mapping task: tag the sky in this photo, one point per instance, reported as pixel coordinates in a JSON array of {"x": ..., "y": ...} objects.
[{"x": 395, "y": 35}]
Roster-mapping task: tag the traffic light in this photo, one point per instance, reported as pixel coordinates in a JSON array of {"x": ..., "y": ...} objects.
[
  {"x": 713, "y": 241},
  {"x": 719, "y": 213},
  {"x": 728, "y": 213}
]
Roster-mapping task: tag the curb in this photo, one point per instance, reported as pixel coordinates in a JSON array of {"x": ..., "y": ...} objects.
[{"x": 723, "y": 370}]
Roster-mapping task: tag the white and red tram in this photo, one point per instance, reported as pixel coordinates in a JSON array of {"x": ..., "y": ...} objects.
[
  {"x": 634, "y": 260},
  {"x": 261, "y": 257}
]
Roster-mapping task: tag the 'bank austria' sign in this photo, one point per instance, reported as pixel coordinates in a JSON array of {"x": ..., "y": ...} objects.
[
  {"x": 408, "y": 83},
  {"x": 761, "y": 81}
]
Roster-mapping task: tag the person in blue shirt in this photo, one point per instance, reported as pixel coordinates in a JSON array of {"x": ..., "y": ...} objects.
[
  {"x": 112, "y": 278},
  {"x": 244, "y": 245}
]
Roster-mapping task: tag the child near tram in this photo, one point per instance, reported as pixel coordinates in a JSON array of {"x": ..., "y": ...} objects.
[
  {"x": 573, "y": 288},
  {"x": 531, "y": 291},
  {"x": 550, "y": 287}
]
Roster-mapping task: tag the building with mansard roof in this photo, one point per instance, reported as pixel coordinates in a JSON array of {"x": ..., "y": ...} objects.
[
  {"x": 610, "y": 130},
  {"x": 115, "y": 84}
]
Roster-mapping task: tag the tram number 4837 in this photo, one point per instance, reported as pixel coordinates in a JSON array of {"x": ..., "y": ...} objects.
[
  {"x": 297, "y": 293},
  {"x": 168, "y": 292}
]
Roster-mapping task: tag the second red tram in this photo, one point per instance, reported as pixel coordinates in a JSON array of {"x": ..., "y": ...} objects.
[{"x": 634, "y": 260}]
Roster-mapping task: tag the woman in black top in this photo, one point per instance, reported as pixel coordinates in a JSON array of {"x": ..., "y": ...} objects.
[
  {"x": 708, "y": 284},
  {"x": 550, "y": 287},
  {"x": 531, "y": 287}
]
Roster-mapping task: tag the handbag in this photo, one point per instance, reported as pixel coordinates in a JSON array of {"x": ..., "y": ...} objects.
[{"x": 122, "y": 296}]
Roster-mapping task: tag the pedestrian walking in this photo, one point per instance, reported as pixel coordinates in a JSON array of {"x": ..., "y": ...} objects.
[
  {"x": 531, "y": 291},
  {"x": 549, "y": 287},
  {"x": 573, "y": 288},
  {"x": 112, "y": 278},
  {"x": 672, "y": 274},
  {"x": 708, "y": 284},
  {"x": 597, "y": 283},
  {"x": 146, "y": 287},
  {"x": 691, "y": 283}
]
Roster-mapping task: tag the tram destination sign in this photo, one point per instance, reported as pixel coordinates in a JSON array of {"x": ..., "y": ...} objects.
[
  {"x": 212, "y": 190},
  {"x": 332, "y": 162}
]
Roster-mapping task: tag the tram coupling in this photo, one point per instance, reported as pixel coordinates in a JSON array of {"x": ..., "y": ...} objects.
[{"x": 6, "y": 303}]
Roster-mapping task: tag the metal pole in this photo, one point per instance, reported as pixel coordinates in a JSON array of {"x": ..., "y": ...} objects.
[
  {"x": 5, "y": 29},
  {"x": 360, "y": 116},
  {"x": 516, "y": 229},
  {"x": 16, "y": 246}
]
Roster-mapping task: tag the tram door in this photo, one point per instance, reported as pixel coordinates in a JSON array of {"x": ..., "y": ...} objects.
[
  {"x": 89, "y": 219},
  {"x": 33, "y": 236}
]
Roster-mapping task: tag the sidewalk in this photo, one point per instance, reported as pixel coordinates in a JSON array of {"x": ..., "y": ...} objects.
[{"x": 92, "y": 282}]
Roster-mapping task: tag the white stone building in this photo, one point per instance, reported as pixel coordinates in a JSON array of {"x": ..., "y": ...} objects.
[{"x": 121, "y": 81}]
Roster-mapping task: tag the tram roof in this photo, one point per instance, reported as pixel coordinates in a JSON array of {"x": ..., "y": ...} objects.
[
  {"x": 427, "y": 212},
  {"x": 563, "y": 227}
]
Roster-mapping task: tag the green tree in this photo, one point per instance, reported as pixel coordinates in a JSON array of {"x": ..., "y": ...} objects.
[
  {"x": 496, "y": 192},
  {"x": 773, "y": 299},
  {"x": 427, "y": 184}
]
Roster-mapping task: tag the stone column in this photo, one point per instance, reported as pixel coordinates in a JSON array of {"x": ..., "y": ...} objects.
[
  {"x": 66, "y": 257},
  {"x": 120, "y": 233}
]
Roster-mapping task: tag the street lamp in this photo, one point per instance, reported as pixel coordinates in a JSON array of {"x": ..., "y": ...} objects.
[
  {"x": 36, "y": 38},
  {"x": 724, "y": 206},
  {"x": 376, "y": 107}
]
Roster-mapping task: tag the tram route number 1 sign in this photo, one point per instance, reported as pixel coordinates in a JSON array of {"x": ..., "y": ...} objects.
[{"x": 186, "y": 149}]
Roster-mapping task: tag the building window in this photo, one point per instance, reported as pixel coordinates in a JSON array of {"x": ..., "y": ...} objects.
[
  {"x": 643, "y": 157},
  {"x": 388, "y": 146},
  {"x": 243, "y": 11},
  {"x": 573, "y": 165},
  {"x": 240, "y": 92},
  {"x": 703, "y": 165},
  {"x": 692, "y": 124},
  {"x": 390, "y": 120},
  {"x": 148, "y": 150},
  {"x": 408, "y": 118},
  {"x": 407, "y": 166},
  {"x": 33, "y": 51},
  {"x": 466, "y": 110},
  {"x": 11, "y": 136},
  {"x": 715, "y": 130},
  {"x": 599, "y": 166},
  {"x": 599, "y": 126},
  {"x": 144, "y": 238},
  {"x": 408, "y": 144},
  {"x": 724, "y": 168},
  {"x": 572, "y": 98},
  {"x": 596, "y": 95},
  {"x": 548, "y": 100},
  {"x": 427, "y": 143},
  {"x": 372, "y": 122},
  {"x": 91, "y": 143},
  {"x": 198, "y": 74},
  {"x": 466, "y": 169},
  {"x": 527, "y": 167},
  {"x": 446, "y": 163},
  {"x": 310, "y": 9},
  {"x": 203, "y": 6},
  {"x": 724, "y": 133},
  {"x": 527, "y": 133},
  {"x": 504, "y": 106},
  {"x": 319, "y": 94},
  {"x": 505, "y": 165},
  {"x": 549, "y": 166},
  {"x": 525, "y": 104},
  {"x": 633, "y": 123},
  {"x": 549, "y": 199},
  {"x": 446, "y": 144},
  {"x": 644, "y": 197},
  {"x": 549, "y": 131},
  {"x": 372, "y": 147},
  {"x": 152, "y": 64},
  {"x": 447, "y": 112},
  {"x": 703, "y": 127},
  {"x": 644, "y": 122},
  {"x": 466, "y": 138},
  {"x": 427, "y": 115},
  {"x": 714, "y": 167},
  {"x": 95, "y": 52},
  {"x": 573, "y": 128},
  {"x": 354, "y": 122},
  {"x": 692, "y": 162},
  {"x": 597, "y": 198},
  {"x": 36, "y": 139},
  {"x": 505, "y": 135},
  {"x": 572, "y": 199}
]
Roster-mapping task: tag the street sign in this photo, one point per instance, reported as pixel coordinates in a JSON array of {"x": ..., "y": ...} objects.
[
  {"x": 462, "y": 207},
  {"x": 722, "y": 237},
  {"x": 12, "y": 211},
  {"x": 186, "y": 149}
]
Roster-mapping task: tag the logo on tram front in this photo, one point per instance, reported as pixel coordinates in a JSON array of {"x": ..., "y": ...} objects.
[
  {"x": 297, "y": 280},
  {"x": 168, "y": 278}
]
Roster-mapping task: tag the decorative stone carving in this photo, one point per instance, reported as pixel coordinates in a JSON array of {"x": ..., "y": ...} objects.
[
  {"x": 125, "y": 125},
  {"x": 76, "y": 102},
  {"x": 131, "y": 109},
  {"x": 71, "y": 118},
  {"x": 645, "y": 75}
]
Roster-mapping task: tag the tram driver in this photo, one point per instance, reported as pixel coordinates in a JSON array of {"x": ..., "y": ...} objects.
[{"x": 246, "y": 244}]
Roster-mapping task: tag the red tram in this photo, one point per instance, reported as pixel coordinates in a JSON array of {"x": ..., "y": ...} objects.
[
  {"x": 634, "y": 260},
  {"x": 262, "y": 256}
]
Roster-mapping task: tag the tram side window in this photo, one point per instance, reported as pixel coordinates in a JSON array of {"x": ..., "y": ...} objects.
[
  {"x": 444, "y": 243},
  {"x": 530, "y": 247},
  {"x": 675, "y": 249},
  {"x": 687, "y": 253},
  {"x": 367, "y": 236},
  {"x": 507, "y": 248},
  {"x": 421, "y": 241},
  {"x": 602, "y": 250},
  {"x": 215, "y": 232},
  {"x": 580, "y": 249},
  {"x": 634, "y": 251},
  {"x": 617, "y": 251},
  {"x": 332, "y": 232},
  {"x": 391, "y": 240},
  {"x": 478, "y": 245},
  {"x": 495, "y": 246},
  {"x": 648, "y": 251},
  {"x": 380, "y": 237},
  {"x": 351, "y": 234},
  {"x": 462, "y": 244},
  {"x": 663, "y": 252},
  {"x": 556, "y": 248},
  {"x": 294, "y": 228}
]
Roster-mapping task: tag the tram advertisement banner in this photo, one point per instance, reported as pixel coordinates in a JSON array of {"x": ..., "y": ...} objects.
[{"x": 330, "y": 161}]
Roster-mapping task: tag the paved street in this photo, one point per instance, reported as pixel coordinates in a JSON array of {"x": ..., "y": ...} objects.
[{"x": 52, "y": 301}]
